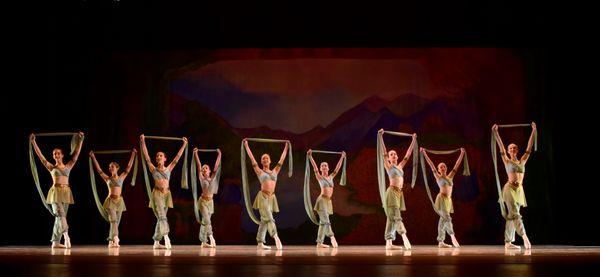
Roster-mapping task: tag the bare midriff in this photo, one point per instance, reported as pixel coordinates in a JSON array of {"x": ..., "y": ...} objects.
[
  {"x": 397, "y": 182},
  {"x": 327, "y": 191},
  {"x": 516, "y": 178},
  {"x": 61, "y": 180},
  {"x": 116, "y": 191},
  {"x": 161, "y": 184},
  {"x": 446, "y": 191},
  {"x": 206, "y": 193},
  {"x": 268, "y": 186}
]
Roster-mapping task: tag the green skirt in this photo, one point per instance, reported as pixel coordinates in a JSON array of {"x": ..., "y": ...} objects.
[
  {"x": 114, "y": 203},
  {"x": 208, "y": 204},
  {"x": 60, "y": 194},
  {"x": 324, "y": 203},
  {"x": 512, "y": 194},
  {"x": 163, "y": 196},
  {"x": 265, "y": 201},
  {"x": 395, "y": 198},
  {"x": 443, "y": 203}
]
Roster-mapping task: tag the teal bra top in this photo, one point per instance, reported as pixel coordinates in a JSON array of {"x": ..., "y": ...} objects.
[
  {"x": 165, "y": 174},
  {"x": 394, "y": 172},
  {"x": 264, "y": 176},
  {"x": 115, "y": 182},
  {"x": 325, "y": 182},
  {"x": 209, "y": 184},
  {"x": 512, "y": 167},
  {"x": 57, "y": 172},
  {"x": 444, "y": 181}
]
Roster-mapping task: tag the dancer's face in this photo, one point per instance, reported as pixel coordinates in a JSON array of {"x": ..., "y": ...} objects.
[
  {"x": 161, "y": 158},
  {"x": 265, "y": 160},
  {"x": 324, "y": 168},
  {"x": 57, "y": 154},
  {"x": 513, "y": 149},
  {"x": 392, "y": 156},
  {"x": 113, "y": 168},
  {"x": 442, "y": 168},
  {"x": 205, "y": 171}
]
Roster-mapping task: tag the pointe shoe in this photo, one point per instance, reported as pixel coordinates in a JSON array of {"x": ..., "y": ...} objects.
[
  {"x": 67, "y": 240},
  {"x": 168, "y": 242},
  {"x": 321, "y": 245},
  {"x": 116, "y": 241},
  {"x": 157, "y": 245},
  {"x": 454, "y": 241},
  {"x": 407, "y": 245},
  {"x": 334, "y": 243},
  {"x": 111, "y": 244},
  {"x": 510, "y": 246},
  {"x": 441, "y": 244},
  {"x": 390, "y": 246},
  {"x": 205, "y": 245},
  {"x": 56, "y": 244},
  {"x": 526, "y": 242},
  {"x": 261, "y": 245},
  {"x": 213, "y": 244},
  {"x": 278, "y": 244}
]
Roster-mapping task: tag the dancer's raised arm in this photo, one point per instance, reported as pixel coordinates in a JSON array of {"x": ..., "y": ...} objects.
[
  {"x": 277, "y": 167},
  {"x": 198, "y": 163},
  {"x": 499, "y": 143},
  {"x": 178, "y": 156},
  {"x": 217, "y": 163},
  {"x": 409, "y": 150},
  {"x": 251, "y": 156},
  {"x": 129, "y": 164},
  {"x": 525, "y": 156},
  {"x": 386, "y": 163},
  {"x": 430, "y": 163},
  {"x": 75, "y": 156},
  {"x": 145, "y": 153},
  {"x": 457, "y": 164},
  {"x": 314, "y": 164},
  {"x": 97, "y": 166},
  {"x": 339, "y": 165},
  {"x": 39, "y": 153}
]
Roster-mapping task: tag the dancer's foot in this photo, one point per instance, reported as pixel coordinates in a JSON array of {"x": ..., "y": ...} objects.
[
  {"x": 441, "y": 244},
  {"x": 116, "y": 241},
  {"x": 454, "y": 241},
  {"x": 67, "y": 240},
  {"x": 334, "y": 243},
  {"x": 526, "y": 242},
  {"x": 205, "y": 245},
  {"x": 213, "y": 244},
  {"x": 321, "y": 245},
  {"x": 157, "y": 245},
  {"x": 56, "y": 244},
  {"x": 390, "y": 246},
  {"x": 167, "y": 242},
  {"x": 261, "y": 245},
  {"x": 278, "y": 244},
  {"x": 407, "y": 245},
  {"x": 510, "y": 246}
]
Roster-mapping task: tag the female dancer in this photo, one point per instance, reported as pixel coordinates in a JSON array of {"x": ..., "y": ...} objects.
[
  {"x": 210, "y": 185},
  {"x": 323, "y": 205},
  {"x": 59, "y": 195},
  {"x": 443, "y": 201},
  {"x": 161, "y": 195},
  {"x": 265, "y": 201},
  {"x": 512, "y": 193},
  {"x": 114, "y": 203},
  {"x": 394, "y": 196}
]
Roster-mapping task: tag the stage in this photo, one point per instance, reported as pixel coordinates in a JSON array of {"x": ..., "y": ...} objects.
[{"x": 231, "y": 260}]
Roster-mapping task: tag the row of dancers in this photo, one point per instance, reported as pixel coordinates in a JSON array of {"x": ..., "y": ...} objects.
[{"x": 59, "y": 196}]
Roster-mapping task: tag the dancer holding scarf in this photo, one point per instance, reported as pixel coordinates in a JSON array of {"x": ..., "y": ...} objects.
[
  {"x": 209, "y": 182},
  {"x": 443, "y": 201},
  {"x": 59, "y": 196},
  {"x": 393, "y": 198},
  {"x": 512, "y": 194},
  {"x": 160, "y": 197},
  {"x": 265, "y": 201},
  {"x": 114, "y": 205},
  {"x": 323, "y": 205}
]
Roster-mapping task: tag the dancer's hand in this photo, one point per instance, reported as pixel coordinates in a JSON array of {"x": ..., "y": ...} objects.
[
  {"x": 421, "y": 149},
  {"x": 245, "y": 141},
  {"x": 195, "y": 150},
  {"x": 380, "y": 131},
  {"x": 462, "y": 150},
  {"x": 343, "y": 154},
  {"x": 414, "y": 135},
  {"x": 91, "y": 153},
  {"x": 142, "y": 137},
  {"x": 134, "y": 150},
  {"x": 32, "y": 137},
  {"x": 185, "y": 140},
  {"x": 80, "y": 134},
  {"x": 218, "y": 151},
  {"x": 533, "y": 125},
  {"x": 495, "y": 127},
  {"x": 309, "y": 152}
]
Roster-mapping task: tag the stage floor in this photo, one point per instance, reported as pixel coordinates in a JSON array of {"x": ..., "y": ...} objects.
[{"x": 230, "y": 260}]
